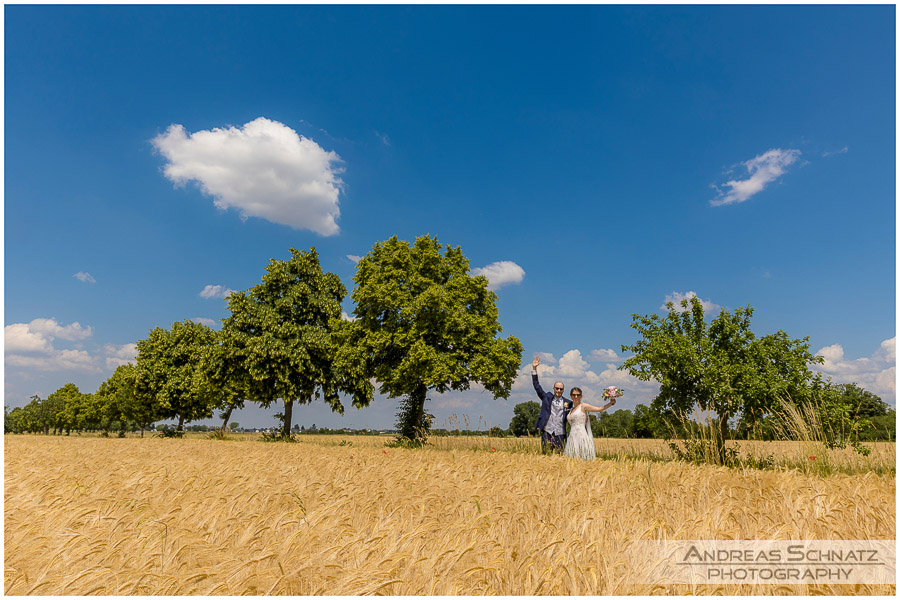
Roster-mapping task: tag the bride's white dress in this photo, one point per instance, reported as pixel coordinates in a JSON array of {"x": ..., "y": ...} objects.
[{"x": 581, "y": 440}]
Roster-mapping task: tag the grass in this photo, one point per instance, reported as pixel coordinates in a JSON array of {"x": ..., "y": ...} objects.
[{"x": 470, "y": 516}]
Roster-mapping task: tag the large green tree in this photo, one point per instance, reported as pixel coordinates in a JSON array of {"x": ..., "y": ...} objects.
[
  {"x": 285, "y": 340},
  {"x": 425, "y": 323},
  {"x": 170, "y": 369},
  {"x": 720, "y": 366}
]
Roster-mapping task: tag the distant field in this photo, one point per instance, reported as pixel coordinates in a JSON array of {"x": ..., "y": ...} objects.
[
  {"x": 806, "y": 457},
  {"x": 344, "y": 515}
]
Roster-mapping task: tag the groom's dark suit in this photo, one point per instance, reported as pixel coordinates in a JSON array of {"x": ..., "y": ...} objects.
[{"x": 546, "y": 407}]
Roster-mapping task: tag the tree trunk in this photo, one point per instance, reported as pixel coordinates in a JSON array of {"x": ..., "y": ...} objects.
[
  {"x": 142, "y": 431},
  {"x": 288, "y": 411},
  {"x": 180, "y": 424},
  {"x": 227, "y": 416},
  {"x": 411, "y": 419},
  {"x": 723, "y": 434}
]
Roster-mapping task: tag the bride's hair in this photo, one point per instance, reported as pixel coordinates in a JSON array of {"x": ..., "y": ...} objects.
[{"x": 575, "y": 389}]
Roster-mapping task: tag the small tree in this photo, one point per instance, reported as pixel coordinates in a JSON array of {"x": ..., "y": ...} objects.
[
  {"x": 284, "y": 340},
  {"x": 424, "y": 323},
  {"x": 39, "y": 415},
  {"x": 525, "y": 416},
  {"x": 721, "y": 366},
  {"x": 170, "y": 369}
]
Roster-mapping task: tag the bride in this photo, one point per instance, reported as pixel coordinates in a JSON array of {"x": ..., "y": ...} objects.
[{"x": 581, "y": 439}]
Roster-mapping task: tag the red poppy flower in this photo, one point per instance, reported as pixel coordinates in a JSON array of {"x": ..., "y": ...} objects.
[{"x": 812, "y": 458}]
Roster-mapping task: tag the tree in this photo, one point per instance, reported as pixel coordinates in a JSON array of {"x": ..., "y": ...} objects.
[
  {"x": 170, "y": 370},
  {"x": 285, "y": 340},
  {"x": 883, "y": 427},
  {"x": 38, "y": 416},
  {"x": 525, "y": 415},
  {"x": 76, "y": 413},
  {"x": 63, "y": 406},
  {"x": 648, "y": 423},
  {"x": 721, "y": 366},
  {"x": 424, "y": 323},
  {"x": 862, "y": 403},
  {"x": 222, "y": 373},
  {"x": 108, "y": 404},
  {"x": 618, "y": 424},
  {"x": 130, "y": 398}
]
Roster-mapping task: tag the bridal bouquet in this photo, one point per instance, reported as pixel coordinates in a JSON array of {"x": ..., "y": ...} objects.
[{"x": 612, "y": 392}]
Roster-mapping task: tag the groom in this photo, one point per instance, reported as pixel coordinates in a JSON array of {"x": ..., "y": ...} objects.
[{"x": 554, "y": 412}]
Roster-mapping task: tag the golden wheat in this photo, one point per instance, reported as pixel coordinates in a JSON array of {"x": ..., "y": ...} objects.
[{"x": 193, "y": 516}]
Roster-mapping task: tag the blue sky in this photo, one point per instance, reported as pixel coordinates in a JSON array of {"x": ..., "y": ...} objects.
[{"x": 609, "y": 157}]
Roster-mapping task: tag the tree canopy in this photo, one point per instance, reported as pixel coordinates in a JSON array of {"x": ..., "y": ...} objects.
[
  {"x": 424, "y": 323},
  {"x": 171, "y": 370},
  {"x": 720, "y": 366},
  {"x": 284, "y": 339},
  {"x": 525, "y": 416}
]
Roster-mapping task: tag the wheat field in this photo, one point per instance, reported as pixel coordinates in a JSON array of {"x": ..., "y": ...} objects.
[{"x": 155, "y": 516}]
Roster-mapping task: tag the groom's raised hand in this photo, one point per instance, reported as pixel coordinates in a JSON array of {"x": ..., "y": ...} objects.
[{"x": 535, "y": 362}]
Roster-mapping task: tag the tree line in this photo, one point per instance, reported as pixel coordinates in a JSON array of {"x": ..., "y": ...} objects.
[
  {"x": 856, "y": 406},
  {"x": 421, "y": 323}
]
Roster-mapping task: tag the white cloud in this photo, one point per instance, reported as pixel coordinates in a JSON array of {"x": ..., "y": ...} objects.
[
  {"x": 38, "y": 335},
  {"x": 31, "y": 345},
  {"x": 605, "y": 355},
  {"x": 876, "y": 373},
  {"x": 347, "y": 317},
  {"x": 61, "y": 360},
  {"x": 762, "y": 170},
  {"x": 843, "y": 150},
  {"x": 354, "y": 258},
  {"x": 205, "y": 321},
  {"x": 501, "y": 273},
  {"x": 676, "y": 298},
  {"x": 116, "y": 356},
  {"x": 51, "y": 328},
  {"x": 84, "y": 277},
  {"x": 215, "y": 291},
  {"x": 384, "y": 138},
  {"x": 263, "y": 169},
  {"x": 19, "y": 338}
]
